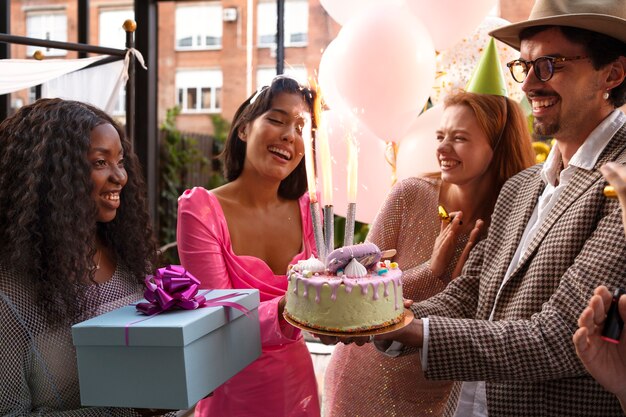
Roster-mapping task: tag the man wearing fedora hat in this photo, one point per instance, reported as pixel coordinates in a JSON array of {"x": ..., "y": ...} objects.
[{"x": 507, "y": 321}]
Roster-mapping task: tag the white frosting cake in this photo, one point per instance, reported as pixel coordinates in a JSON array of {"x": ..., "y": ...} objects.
[{"x": 354, "y": 298}]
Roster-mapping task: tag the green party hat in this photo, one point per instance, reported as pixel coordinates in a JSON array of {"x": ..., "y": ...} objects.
[{"x": 488, "y": 77}]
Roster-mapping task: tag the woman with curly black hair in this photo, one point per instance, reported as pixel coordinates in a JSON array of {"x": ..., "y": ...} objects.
[{"x": 75, "y": 241}]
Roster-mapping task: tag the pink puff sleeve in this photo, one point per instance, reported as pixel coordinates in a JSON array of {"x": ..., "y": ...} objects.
[{"x": 198, "y": 236}]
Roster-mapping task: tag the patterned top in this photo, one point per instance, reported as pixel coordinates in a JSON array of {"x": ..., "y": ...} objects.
[
  {"x": 38, "y": 375},
  {"x": 362, "y": 382}
]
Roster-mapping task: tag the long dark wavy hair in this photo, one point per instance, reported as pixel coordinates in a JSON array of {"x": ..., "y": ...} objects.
[
  {"x": 47, "y": 216},
  {"x": 260, "y": 102}
]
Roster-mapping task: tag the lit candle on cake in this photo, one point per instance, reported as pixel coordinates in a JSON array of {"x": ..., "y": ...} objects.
[
  {"x": 310, "y": 177},
  {"x": 352, "y": 184},
  {"x": 321, "y": 141}
]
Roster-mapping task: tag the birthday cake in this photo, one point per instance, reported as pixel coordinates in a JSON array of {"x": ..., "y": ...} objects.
[{"x": 354, "y": 291}]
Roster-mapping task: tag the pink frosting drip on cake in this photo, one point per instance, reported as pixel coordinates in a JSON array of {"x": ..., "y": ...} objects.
[{"x": 317, "y": 281}]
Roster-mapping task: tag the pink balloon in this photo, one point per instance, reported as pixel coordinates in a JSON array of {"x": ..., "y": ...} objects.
[
  {"x": 385, "y": 68},
  {"x": 417, "y": 151},
  {"x": 343, "y": 10},
  {"x": 326, "y": 77},
  {"x": 448, "y": 21},
  {"x": 374, "y": 172}
]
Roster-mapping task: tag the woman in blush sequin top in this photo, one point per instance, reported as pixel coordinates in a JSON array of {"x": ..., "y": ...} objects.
[
  {"x": 483, "y": 141},
  {"x": 245, "y": 234}
]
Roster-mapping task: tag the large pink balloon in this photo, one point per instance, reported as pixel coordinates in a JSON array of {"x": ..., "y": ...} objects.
[
  {"x": 385, "y": 68},
  {"x": 374, "y": 172},
  {"x": 417, "y": 151},
  {"x": 450, "y": 20},
  {"x": 343, "y": 10},
  {"x": 326, "y": 78}
]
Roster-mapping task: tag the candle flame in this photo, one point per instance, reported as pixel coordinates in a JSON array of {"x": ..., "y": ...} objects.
[
  {"x": 308, "y": 159},
  {"x": 322, "y": 145}
]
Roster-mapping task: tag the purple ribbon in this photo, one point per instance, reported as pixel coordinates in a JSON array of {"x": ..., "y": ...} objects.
[{"x": 173, "y": 287}]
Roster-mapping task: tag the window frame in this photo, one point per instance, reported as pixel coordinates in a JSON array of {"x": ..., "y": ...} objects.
[
  {"x": 208, "y": 78},
  {"x": 116, "y": 34},
  {"x": 292, "y": 19},
  {"x": 34, "y": 30},
  {"x": 202, "y": 34}
]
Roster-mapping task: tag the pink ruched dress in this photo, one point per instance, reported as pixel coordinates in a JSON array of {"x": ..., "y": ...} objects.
[{"x": 282, "y": 381}]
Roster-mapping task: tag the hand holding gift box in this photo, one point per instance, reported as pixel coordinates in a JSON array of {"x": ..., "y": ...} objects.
[{"x": 169, "y": 359}]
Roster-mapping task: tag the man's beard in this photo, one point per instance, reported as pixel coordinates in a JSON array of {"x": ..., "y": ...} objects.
[{"x": 548, "y": 128}]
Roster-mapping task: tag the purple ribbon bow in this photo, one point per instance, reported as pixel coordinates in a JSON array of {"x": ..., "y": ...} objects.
[
  {"x": 170, "y": 288},
  {"x": 174, "y": 287}
]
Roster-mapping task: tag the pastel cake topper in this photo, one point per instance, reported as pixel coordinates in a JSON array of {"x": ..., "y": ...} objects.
[
  {"x": 488, "y": 77},
  {"x": 367, "y": 254}
]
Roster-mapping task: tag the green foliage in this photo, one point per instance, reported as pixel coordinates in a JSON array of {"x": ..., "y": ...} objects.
[
  {"x": 221, "y": 127},
  {"x": 360, "y": 231},
  {"x": 178, "y": 153}
]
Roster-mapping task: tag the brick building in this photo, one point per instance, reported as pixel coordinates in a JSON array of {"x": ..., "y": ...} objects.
[{"x": 211, "y": 54}]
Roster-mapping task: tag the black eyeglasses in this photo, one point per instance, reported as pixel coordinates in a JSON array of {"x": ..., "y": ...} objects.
[{"x": 544, "y": 67}]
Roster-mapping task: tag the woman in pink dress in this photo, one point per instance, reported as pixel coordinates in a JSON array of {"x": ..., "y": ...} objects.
[{"x": 245, "y": 233}]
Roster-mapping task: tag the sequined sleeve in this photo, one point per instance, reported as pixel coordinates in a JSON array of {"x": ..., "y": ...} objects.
[{"x": 408, "y": 222}]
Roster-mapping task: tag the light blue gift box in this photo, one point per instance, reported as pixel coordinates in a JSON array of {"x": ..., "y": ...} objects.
[{"x": 172, "y": 360}]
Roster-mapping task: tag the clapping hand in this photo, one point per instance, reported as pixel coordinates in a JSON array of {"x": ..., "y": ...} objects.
[
  {"x": 446, "y": 243},
  {"x": 474, "y": 236}
]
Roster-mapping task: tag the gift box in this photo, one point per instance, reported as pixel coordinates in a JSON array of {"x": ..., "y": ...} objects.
[{"x": 169, "y": 360}]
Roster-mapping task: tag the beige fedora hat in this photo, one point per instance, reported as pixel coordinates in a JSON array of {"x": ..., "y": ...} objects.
[{"x": 603, "y": 16}]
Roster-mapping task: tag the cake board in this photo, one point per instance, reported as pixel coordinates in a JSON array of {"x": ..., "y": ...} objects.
[{"x": 406, "y": 320}]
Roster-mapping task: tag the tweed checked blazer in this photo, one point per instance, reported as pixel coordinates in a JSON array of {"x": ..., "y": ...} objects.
[{"x": 525, "y": 353}]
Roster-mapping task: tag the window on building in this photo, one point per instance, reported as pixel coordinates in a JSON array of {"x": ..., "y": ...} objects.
[
  {"x": 112, "y": 34},
  {"x": 264, "y": 76},
  {"x": 199, "y": 26},
  {"x": 199, "y": 91},
  {"x": 47, "y": 24},
  {"x": 296, "y": 23}
]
